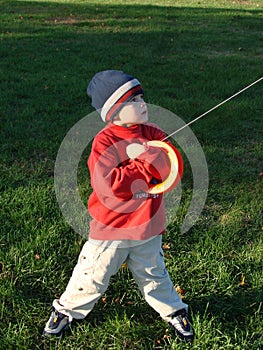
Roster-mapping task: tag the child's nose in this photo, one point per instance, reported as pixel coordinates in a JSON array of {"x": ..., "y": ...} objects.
[{"x": 142, "y": 103}]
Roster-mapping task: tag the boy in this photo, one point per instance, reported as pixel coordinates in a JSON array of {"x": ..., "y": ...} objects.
[{"x": 128, "y": 222}]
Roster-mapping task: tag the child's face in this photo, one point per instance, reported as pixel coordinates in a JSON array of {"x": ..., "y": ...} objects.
[{"x": 133, "y": 112}]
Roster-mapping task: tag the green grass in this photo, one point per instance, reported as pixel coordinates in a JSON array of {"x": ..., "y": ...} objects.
[{"x": 189, "y": 56}]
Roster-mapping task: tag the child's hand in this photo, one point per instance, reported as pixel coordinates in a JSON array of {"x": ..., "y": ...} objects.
[{"x": 135, "y": 149}]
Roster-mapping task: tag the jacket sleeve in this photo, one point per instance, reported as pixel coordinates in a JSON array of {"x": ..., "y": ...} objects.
[{"x": 112, "y": 176}]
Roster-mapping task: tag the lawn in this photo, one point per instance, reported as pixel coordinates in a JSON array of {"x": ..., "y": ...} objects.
[{"x": 189, "y": 56}]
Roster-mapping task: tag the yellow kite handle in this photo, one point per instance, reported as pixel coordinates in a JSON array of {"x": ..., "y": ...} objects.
[{"x": 169, "y": 181}]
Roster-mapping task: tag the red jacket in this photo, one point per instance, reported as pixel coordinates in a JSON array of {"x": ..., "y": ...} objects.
[{"x": 120, "y": 206}]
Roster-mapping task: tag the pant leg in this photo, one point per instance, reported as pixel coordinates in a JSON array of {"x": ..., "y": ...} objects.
[
  {"x": 146, "y": 262},
  {"x": 90, "y": 279}
]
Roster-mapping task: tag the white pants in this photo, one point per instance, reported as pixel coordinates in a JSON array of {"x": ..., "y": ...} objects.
[{"x": 96, "y": 265}]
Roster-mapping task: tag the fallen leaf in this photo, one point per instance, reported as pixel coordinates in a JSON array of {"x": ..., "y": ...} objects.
[
  {"x": 242, "y": 283},
  {"x": 166, "y": 246},
  {"x": 166, "y": 336},
  {"x": 180, "y": 291}
]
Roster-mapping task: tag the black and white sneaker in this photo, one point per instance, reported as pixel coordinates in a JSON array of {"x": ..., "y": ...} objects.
[
  {"x": 180, "y": 324},
  {"x": 56, "y": 324}
]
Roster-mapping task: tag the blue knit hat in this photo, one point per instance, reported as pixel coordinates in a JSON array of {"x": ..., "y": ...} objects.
[{"x": 110, "y": 89}]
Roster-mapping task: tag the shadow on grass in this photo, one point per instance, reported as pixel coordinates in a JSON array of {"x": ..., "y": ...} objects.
[
  {"x": 228, "y": 311},
  {"x": 239, "y": 306}
]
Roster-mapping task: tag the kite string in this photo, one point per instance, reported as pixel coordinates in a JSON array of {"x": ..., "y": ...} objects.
[{"x": 210, "y": 110}]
